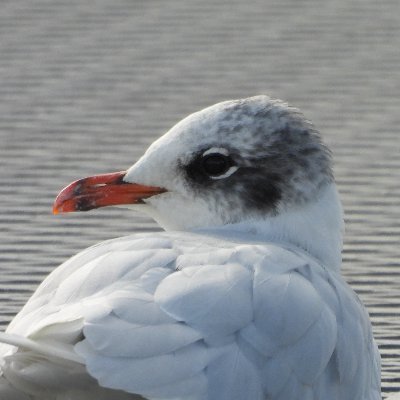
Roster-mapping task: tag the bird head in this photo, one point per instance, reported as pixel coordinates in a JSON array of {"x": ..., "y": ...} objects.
[{"x": 253, "y": 158}]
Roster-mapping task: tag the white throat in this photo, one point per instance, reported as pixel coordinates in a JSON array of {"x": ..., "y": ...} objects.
[{"x": 316, "y": 228}]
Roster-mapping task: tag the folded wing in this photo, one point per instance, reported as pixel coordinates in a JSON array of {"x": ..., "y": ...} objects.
[{"x": 157, "y": 319}]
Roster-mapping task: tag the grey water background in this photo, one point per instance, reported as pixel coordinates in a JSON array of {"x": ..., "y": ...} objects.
[{"x": 86, "y": 86}]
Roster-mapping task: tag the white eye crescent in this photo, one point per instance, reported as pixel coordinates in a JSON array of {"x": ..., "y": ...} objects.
[
  {"x": 230, "y": 171},
  {"x": 216, "y": 150}
]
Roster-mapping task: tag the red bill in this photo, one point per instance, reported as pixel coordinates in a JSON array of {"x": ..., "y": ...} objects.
[{"x": 101, "y": 191}]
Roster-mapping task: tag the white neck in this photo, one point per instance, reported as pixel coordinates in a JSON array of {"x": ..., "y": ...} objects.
[{"x": 316, "y": 228}]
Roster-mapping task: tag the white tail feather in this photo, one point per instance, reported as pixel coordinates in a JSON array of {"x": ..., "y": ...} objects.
[{"x": 47, "y": 350}]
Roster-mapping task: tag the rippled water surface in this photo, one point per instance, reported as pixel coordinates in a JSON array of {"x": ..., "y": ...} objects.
[{"x": 87, "y": 86}]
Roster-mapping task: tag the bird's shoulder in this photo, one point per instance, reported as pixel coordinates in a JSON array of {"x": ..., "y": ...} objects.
[
  {"x": 146, "y": 260},
  {"x": 127, "y": 258}
]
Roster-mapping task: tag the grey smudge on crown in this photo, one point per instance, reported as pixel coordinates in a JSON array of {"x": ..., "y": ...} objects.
[{"x": 282, "y": 161}]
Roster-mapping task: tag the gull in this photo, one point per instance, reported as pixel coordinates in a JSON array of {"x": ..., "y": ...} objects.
[{"x": 240, "y": 298}]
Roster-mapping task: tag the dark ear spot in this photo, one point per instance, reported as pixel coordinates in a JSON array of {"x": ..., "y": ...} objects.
[{"x": 261, "y": 191}]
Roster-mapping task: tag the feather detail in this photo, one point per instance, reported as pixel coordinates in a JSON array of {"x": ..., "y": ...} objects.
[{"x": 57, "y": 350}]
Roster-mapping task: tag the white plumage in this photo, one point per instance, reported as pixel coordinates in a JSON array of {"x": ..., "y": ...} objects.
[{"x": 248, "y": 307}]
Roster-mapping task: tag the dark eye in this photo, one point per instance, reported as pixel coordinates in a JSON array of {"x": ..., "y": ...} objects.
[{"x": 216, "y": 164}]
